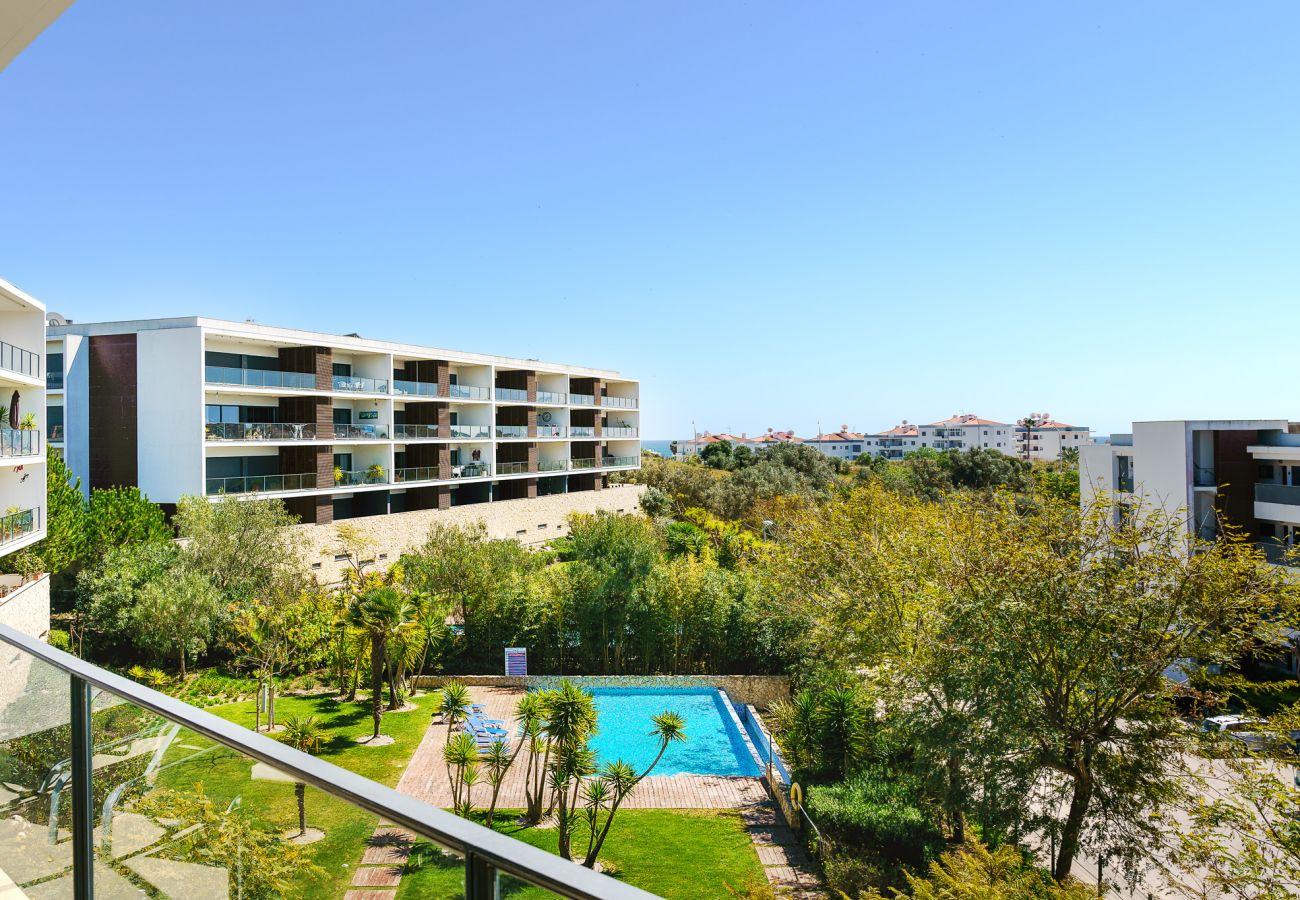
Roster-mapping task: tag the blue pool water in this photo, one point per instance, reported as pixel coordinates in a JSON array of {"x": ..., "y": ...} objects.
[{"x": 713, "y": 743}]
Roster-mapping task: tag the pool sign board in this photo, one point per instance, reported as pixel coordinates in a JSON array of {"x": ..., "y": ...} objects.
[{"x": 516, "y": 660}]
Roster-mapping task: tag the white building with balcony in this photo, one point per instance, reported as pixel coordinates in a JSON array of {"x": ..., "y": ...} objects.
[
  {"x": 335, "y": 426},
  {"x": 1047, "y": 440}
]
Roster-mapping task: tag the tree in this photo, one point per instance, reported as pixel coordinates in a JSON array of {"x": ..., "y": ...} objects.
[
  {"x": 570, "y": 722},
  {"x": 974, "y": 872},
  {"x": 243, "y": 546},
  {"x": 381, "y": 612},
  {"x": 302, "y": 733},
  {"x": 108, "y": 594},
  {"x": 460, "y": 753},
  {"x": 65, "y": 542},
  {"x": 122, "y": 515},
  {"x": 717, "y": 455},
  {"x": 178, "y": 614}
]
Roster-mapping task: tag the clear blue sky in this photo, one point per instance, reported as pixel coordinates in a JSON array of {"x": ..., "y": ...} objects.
[{"x": 773, "y": 214}]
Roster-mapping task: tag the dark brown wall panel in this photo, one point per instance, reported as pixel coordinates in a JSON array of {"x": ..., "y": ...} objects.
[
  {"x": 114, "y": 457},
  {"x": 1236, "y": 472}
]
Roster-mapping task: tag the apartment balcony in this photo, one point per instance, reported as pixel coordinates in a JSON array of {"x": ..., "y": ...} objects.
[
  {"x": 582, "y": 400},
  {"x": 354, "y": 384},
  {"x": 552, "y": 397},
  {"x": 471, "y": 432},
  {"x": 19, "y": 361},
  {"x": 69, "y": 707},
  {"x": 259, "y": 378},
  {"x": 343, "y": 432},
  {"x": 54, "y": 380},
  {"x": 20, "y": 441},
  {"x": 469, "y": 392},
  {"x": 619, "y": 462},
  {"x": 416, "y": 473},
  {"x": 618, "y": 431},
  {"x": 1279, "y": 554},
  {"x": 1287, "y": 494},
  {"x": 552, "y": 431},
  {"x": 261, "y": 484},
  {"x": 582, "y": 464},
  {"x": 415, "y": 432},
  {"x": 512, "y": 395},
  {"x": 512, "y": 468},
  {"x": 416, "y": 388},
  {"x": 260, "y": 431},
  {"x": 618, "y": 402},
  {"x": 552, "y": 465},
  {"x": 582, "y": 431},
  {"x": 17, "y": 525},
  {"x": 56, "y": 434},
  {"x": 359, "y": 477},
  {"x": 512, "y": 431},
  {"x": 471, "y": 470},
  {"x": 1204, "y": 476}
]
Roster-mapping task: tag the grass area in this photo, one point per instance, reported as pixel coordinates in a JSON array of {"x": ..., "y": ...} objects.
[
  {"x": 678, "y": 854},
  {"x": 225, "y": 775}
]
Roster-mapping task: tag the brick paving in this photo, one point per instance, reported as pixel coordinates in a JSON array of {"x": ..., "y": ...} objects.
[{"x": 786, "y": 865}]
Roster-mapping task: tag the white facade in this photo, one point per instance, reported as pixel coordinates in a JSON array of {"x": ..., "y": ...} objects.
[
  {"x": 217, "y": 409},
  {"x": 1045, "y": 442}
]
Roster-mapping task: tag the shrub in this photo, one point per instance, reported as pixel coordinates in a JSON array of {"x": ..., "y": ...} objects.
[{"x": 60, "y": 640}]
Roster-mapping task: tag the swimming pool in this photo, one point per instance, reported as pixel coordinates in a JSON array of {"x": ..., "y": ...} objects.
[{"x": 714, "y": 744}]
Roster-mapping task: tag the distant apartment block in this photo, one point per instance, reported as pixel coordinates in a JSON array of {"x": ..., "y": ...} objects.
[
  {"x": 24, "y": 602},
  {"x": 842, "y": 444},
  {"x": 336, "y": 426},
  {"x": 1047, "y": 440}
]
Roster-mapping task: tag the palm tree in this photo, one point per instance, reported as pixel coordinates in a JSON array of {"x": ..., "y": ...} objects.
[
  {"x": 380, "y": 612},
  {"x": 460, "y": 753},
  {"x": 302, "y": 733},
  {"x": 570, "y": 723},
  {"x": 531, "y": 725}
]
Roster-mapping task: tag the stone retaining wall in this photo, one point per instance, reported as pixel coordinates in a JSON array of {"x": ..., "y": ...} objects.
[
  {"x": 760, "y": 691},
  {"x": 530, "y": 521}
]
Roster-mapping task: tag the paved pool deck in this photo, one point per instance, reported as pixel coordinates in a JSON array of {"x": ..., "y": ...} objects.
[{"x": 426, "y": 776}]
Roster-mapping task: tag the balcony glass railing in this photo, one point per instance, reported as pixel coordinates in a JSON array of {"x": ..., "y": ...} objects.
[
  {"x": 618, "y": 431},
  {"x": 416, "y": 388},
  {"x": 511, "y": 468},
  {"x": 415, "y": 432},
  {"x": 1289, "y": 494},
  {"x": 471, "y": 470},
  {"x": 552, "y": 397},
  {"x": 471, "y": 432},
  {"x": 261, "y": 378},
  {"x": 582, "y": 464},
  {"x": 260, "y": 431},
  {"x": 418, "y": 473},
  {"x": 551, "y": 430},
  {"x": 512, "y": 431},
  {"x": 611, "y": 462},
  {"x": 56, "y": 434},
  {"x": 552, "y": 465},
  {"x": 343, "y": 432},
  {"x": 514, "y": 395},
  {"x": 582, "y": 399},
  {"x": 16, "y": 359},
  {"x": 355, "y": 384},
  {"x": 20, "y": 441},
  {"x": 469, "y": 392},
  {"x": 618, "y": 402},
  {"x": 344, "y": 478},
  {"x": 582, "y": 431},
  {"x": 54, "y": 381},
  {"x": 259, "y": 484},
  {"x": 126, "y": 791},
  {"x": 18, "y": 525}
]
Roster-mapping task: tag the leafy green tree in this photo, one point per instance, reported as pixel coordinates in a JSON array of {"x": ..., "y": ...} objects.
[
  {"x": 381, "y": 612},
  {"x": 177, "y": 614},
  {"x": 717, "y": 455},
  {"x": 122, "y": 515},
  {"x": 460, "y": 753},
  {"x": 303, "y": 733},
  {"x": 64, "y": 546},
  {"x": 243, "y": 546},
  {"x": 975, "y": 872},
  {"x": 108, "y": 596},
  {"x": 570, "y": 723},
  {"x": 984, "y": 469}
]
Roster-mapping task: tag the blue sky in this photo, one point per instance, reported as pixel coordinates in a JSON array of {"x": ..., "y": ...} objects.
[{"x": 773, "y": 214}]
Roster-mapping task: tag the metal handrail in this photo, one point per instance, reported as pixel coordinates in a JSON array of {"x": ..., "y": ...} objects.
[
  {"x": 551, "y": 430},
  {"x": 19, "y": 524},
  {"x": 512, "y": 394},
  {"x": 356, "y": 384},
  {"x": 471, "y": 432},
  {"x": 582, "y": 431},
  {"x": 415, "y": 388},
  {"x": 512, "y": 468},
  {"x": 618, "y": 402},
  {"x": 582, "y": 399},
  {"x": 512, "y": 431},
  {"x": 298, "y": 381},
  {"x": 259, "y": 431},
  {"x": 254, "y": 484},
  {"x": 552, "y": 465},
  {"x": 16, "y": 359},
  {"x": 613, "y": 461},
  {"x": 618, "y": 431},
  {"x": 416, "y": 473},
  {"x": 345, "y": 432},
  {"x": 485, "y": 851},
  {"x": 582, "y": 464},
  {"x": 469, "y": 392},
  {"x": 414, "y": 432},
  {"x": 20, "y": 441},
  {"x": 552, "y": 397}
]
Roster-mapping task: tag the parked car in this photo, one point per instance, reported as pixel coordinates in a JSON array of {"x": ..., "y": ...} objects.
[{"x": 1249, "y": 732}]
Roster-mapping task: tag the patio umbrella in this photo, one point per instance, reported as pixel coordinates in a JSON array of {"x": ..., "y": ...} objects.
[{"x": 13, "y": 411}]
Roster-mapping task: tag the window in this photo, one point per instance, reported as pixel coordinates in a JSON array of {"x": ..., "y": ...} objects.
[
  {"x": 344, "y": 369},
  {"x": 1265, "y": 473}
]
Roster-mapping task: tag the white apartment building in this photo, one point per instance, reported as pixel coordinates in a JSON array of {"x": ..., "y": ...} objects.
[
  {"x": 24, "y": 601},
  {"x": 1047, "y": 440},
  {"x": 335, "y": 426},
  {"x": 842, "y": 444}
]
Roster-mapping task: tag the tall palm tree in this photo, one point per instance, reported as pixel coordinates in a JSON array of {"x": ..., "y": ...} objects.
[
  {"x": 380, "y": 612},
  {"x": 460, "y": 753},
  {"x": 302, "y": 733},
  {"x": 570, "y": 723}
]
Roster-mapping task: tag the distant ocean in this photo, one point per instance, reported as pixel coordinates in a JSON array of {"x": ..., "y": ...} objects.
[{"x": 660, "y": 447}]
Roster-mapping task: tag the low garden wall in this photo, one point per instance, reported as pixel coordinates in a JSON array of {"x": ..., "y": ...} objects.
[{"x": 760, "y": 691}]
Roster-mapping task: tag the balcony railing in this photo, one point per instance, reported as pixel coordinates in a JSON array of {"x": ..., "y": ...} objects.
[
  {"x": 56, "y": 433},
  {"x": 469, "y": 392},
  {"x": 20, "y": 441},
  {"x": 261, "y": 378},
  {"x": 512, "y": 468},
  {"x": 89, "y": 718},
  {"x": 618, "y": 402},
  {"x": 18, "y": 525},
  {"x": 355, "y": 384},
  {"x": 552, "y": 397},
  {"x": 260, "y": 431},
  {"x": 261, "y": 484},
  {"x": 23, "y": 362},
  {"x": 512, "y": 431},
  {"x": 611, "y": 462},
  {"x": 582, "y": 431},
  {"x": 416, "y": 388},
  {"x": 552, "y": 465},
  {"x": 417, "y": 473},
  {"x": 514, "y": 395},
  {"x": 618, "y": 431},
  {"x": 1203, "y": 476},
  {"x": 471, "y": 470},
  {"x": 1266, "y": 492},
  {"x": 344, "y": 432},
  {"x": 551, "y": 430},
  {"x": 345, "y": 478},
  {"x": 415, "y": 432},
  {"x": 582, "y": 464},
  {"x": 582, "y": 399},
  {"x": 54, "y": 380},
  {"x": 471, "y": 432}
]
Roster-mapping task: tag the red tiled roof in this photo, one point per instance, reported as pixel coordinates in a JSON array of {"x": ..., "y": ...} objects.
[
  {"x": 903, "y": 430},
  {"x": 839, "y": 436},
  {"x": 965, "y": 420}
]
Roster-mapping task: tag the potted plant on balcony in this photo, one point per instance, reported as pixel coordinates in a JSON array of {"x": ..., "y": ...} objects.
[
  {"x": 375, "y": 473},
  {"x": 338, "y": 474},
  {"x": 27, "y": 422}
]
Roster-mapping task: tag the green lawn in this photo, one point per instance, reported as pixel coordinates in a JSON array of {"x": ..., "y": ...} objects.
[{"x": 679, "y": 854}]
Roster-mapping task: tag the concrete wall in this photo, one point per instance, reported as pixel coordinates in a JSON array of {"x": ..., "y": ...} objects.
[
  {"x": 530, "y": 521},
  {"x": 169, "y": 383},
  {"x": 26, "y": 607},
  {"x": 761, "y": 691}
]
